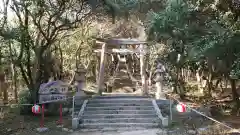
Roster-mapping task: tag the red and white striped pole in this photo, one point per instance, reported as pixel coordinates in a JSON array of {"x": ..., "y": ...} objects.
[
  {"x": 42, "y": 118},
  {"x": 60, "y": 113},
  {"x": 36, "y": 109}
]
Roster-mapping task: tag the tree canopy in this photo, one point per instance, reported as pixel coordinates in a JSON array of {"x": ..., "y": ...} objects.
[{"x": 200, "y": 34}]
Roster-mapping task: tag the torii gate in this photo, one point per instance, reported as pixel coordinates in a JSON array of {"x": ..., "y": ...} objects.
[{"x": 112, "y": 45}]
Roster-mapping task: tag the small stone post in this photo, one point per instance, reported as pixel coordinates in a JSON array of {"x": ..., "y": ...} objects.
[{"x": 159, "y": 82}]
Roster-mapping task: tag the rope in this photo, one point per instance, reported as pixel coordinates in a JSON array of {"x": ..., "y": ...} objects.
[
  {"x": 51, "y": 101},
  {"x": 200, "y": 113}
]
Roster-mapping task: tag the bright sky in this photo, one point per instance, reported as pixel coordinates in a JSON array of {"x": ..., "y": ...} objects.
[{"x": 10, "y": 13}]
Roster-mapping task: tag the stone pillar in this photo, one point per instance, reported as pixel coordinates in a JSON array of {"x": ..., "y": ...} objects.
[
  {"x": 80, "y": 78},
  {"x": 143, "y": 70},
  {"x": 100, "y": 81},
  {"x": 159, "y": 83}
]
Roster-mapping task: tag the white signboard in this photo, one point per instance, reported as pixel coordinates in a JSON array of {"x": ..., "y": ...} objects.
[{"x": 52, "y": 91}]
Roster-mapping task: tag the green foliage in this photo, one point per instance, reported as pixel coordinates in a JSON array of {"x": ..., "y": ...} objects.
[
  {"x": 169, "y": 22},
  {"x": 235, "y": 72},
  {"x": 24, "y": 98},
  {"x": 127, "y": 8},
  {"x": 120, "y": 8},
  {"x": 198, "y": 37},
  {"x": 78, "y": 48},
  {"x": 184, "y": 27}
]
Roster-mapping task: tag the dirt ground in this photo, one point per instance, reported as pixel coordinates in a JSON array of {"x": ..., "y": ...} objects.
[
  {"x": 14, "y": 124},
  {"x": 11, "y": 123},
  {"x": 27, "y": 125}
]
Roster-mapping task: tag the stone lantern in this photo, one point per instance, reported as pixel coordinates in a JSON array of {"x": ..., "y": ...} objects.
[
  {"x": 80, "y": 79},
  {"x": 159, "y": 82}
]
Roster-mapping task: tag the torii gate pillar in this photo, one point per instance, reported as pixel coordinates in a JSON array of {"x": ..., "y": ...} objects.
[
  {"x": 143, "y": 70},
  {"x": 101, "y": 71}
]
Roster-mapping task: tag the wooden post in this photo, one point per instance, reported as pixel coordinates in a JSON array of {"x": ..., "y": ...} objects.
[
  {"x": 143, "y": 70},
  {"x": 101, "y": 70},
  {"x": 60, "y": 122},
  {"x": 42, "y": 118}
]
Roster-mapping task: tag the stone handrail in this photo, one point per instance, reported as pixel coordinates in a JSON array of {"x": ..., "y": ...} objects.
[{"x": 159, "y": 114}]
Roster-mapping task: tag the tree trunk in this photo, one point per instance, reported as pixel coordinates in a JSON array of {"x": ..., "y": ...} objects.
[
  {"x": 1, "y": 75},
  {"x": 3, "y": 84},
  {"x": 225, "y": 81},
  {"x": 150, "y": 78},
  {"x": 5, "y": 92},
  {"x": 210, "y": 83},
  {"x": 183, "y": 74},
  {"x": 176, "y": 90},
  {"x": 14, "y": 73},
  {"x": 180, "y": 89},
  {"x": 189, "y": 74},
  {"x": 217, "y": 83},
  {"x": 41, "y": 76},
  {"x": 234, "y": 93},
  {"x": 14, "y": 80},
  {"x": 34, "y": 91},
  {"x": 3, "y": 87},
  {"x": 61, "y": 63},
  {"x": 198, "y": 77}
]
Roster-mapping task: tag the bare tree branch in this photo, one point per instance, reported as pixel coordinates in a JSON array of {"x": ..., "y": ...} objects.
[
  {"x": 5, "y": 6},
  {"x": 15, "y": 8}
]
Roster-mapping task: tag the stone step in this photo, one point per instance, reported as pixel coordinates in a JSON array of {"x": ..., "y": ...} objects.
[
  {"x": 163, "y": 102},
  {"x": 109, "y": 129},
  {"x": 145, "y": 101},
  {"x": 120, "y": 108},
  {"x": 118, "y": 125},
  {"x": 79, "y": 100},
  {"x": 159, "y": 103},
  {"x": 77, "y": 108},
  {"x": 124, "y": 99},
  {"x": 113, "y": 116},
  {"x": 120, "y": 112},
  {"x": 119, "y": 96},
  {"x": 75, "y": 113},
  {"x": 109, "y": 104},
  {"x": 123, "y": 120}
]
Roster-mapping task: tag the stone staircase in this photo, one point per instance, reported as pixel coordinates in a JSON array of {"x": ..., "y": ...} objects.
[{"x": 119, "y": 112}]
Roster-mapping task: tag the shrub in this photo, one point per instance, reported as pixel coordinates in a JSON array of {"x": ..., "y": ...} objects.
[{"x": 24, "y": 98}]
